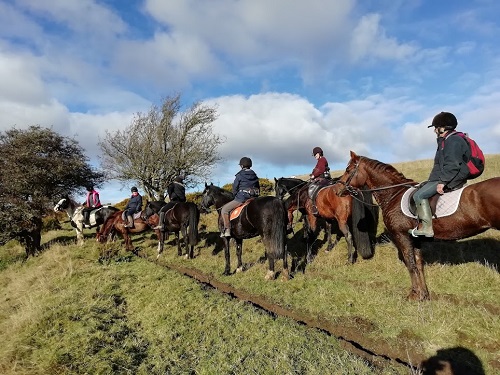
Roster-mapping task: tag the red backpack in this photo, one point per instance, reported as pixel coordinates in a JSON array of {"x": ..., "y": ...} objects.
[{"x": 476, "y": 161}]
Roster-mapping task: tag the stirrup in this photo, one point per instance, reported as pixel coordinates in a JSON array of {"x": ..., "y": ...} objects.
[{"x": 416, "y": 235}]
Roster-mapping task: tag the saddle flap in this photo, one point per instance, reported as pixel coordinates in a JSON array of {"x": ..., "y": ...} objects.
[{"x": 441, "y": 205}]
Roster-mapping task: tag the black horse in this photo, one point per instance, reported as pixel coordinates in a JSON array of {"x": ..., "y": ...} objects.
[
  {"x": 182, "y": 217},
  {"x": 262, "y": 216}
]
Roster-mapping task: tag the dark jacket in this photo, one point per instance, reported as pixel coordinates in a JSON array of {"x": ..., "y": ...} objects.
[
  {"x": 134, "y": 204},
  {"x": 450, "y": 161},
  {"x": 176, "y": 192},
  {"x": 245, "y": 185}
]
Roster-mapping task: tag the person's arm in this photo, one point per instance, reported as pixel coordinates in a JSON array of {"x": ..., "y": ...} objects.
[{"x": 319, "y": 168}]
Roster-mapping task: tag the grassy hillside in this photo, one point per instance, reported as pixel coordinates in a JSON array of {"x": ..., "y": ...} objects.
[{"x": 98, "y": 309}]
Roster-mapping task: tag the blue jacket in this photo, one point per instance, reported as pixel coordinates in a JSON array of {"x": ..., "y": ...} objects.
[
  {"x": 245, "y": 185},
  {"x": 450, "y": 161},
  {"x": 134, "y": 204}
]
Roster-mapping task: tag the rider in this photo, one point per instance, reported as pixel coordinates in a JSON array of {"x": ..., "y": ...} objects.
[
  {"x": 320, "y": 172},
  {"x": 449, "y": 172},
  {"x": 176, "y": 193},
  {"x": 91, "y": 202},
  {"x": 245, "y": 186},
  {"x": 133, "y": 206}
]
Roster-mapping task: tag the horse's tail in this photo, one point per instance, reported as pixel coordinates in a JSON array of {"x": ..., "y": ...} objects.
[
  {"x": 364, "y": 224},
  {"x": 194, "y": 218},
  {"x": 277, "y": 233}
]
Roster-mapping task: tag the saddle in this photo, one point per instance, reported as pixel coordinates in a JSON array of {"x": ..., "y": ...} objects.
[
  {"x": 137, "y": 215},
  {"x": 237, "y": 211},
  {"x": 315, "y": 186},
  {"x": 441, "y": 205}
]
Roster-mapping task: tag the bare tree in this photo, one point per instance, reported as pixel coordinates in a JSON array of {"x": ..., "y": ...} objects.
[{"x": 163, "y": 144}]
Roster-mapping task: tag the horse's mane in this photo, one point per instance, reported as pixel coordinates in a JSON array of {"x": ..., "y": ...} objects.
[
  {"x": 156, "y": 204},
  {"x": 383, "y": 168},
  {"x": 219, "y": 190}
]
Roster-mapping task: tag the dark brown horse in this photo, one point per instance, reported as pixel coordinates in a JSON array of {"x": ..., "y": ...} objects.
[
  {"x": 262, "y": 216},
  {"x": 356, "y": 219},
  {"x": 181, "y": 217},
  {"x": 116, "y": 223},
  {"x": 478, "y": 210}
]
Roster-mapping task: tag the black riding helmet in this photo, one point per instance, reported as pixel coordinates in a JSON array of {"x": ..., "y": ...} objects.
[
  {"x": 246, "y": 162},
  {"x": 134, "y": 189},
  {"x": 445, "y": 120},
  {"x": 317, "y": 150},
  {"x": 89, "y": 187}
]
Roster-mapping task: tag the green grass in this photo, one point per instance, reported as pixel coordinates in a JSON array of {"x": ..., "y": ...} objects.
[{"x": 66, "y": 312}]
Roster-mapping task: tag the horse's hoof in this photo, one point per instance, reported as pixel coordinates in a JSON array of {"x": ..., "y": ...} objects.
[
  {"x": 186, "y": 256},
  {"x": 240, "y": 269},
  {"x": 270, "y": 275},
  {"x": 285, "y": 275}
]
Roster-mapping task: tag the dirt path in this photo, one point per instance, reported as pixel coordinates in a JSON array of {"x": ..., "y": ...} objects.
[{"x": 351, "y": 333}]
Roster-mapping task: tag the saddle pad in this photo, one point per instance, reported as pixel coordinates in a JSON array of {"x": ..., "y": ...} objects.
[
  {"x": 136, "y": 216},
  {"x": 446, "y": 205},
  {"x": 237, "y": 211}
]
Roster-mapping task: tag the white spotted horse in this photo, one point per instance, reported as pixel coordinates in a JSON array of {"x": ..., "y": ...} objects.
[{"x": 74, "y": 211}]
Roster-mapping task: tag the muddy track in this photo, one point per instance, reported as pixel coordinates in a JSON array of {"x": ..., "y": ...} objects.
[{"x": 349, "y": 332}]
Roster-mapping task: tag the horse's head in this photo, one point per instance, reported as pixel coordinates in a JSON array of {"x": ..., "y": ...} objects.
[
  {"x": 62, "y": 205},
  {"x": 148, "y": 211},
  {"x": 354, "y": 175},
  {"x": 279, "y": 189},
  {"x": 207, "y": 198}
]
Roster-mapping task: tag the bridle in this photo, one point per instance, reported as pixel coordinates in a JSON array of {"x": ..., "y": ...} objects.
[
  {"x": 289, "y": 191},
  {"x": 353, "y": 191}
]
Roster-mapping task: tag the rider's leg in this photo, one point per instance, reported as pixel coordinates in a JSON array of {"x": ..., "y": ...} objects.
[
  {"x": 226, "y": 209},
  {"x": 424, "y": 213}
]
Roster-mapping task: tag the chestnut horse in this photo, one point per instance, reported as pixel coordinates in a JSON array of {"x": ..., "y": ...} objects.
[
  {"x": 356, "y": 219},
  {"x": 478, "y": 210},
  {"x": 262, "y": 216},
  {"x": 117, "y": 224}
]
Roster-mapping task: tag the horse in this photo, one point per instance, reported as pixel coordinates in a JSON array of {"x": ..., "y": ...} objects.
[
  {"x": 478, "y": 211},
  {"x": 182, "y": 217},
  {"x": 263, "y": 216},
  {"x": 286, "y": 186},
  {"x": 74, "y": 211},
  {"x": 344, "y": 212},
  {"x": 116, "y": 222}
]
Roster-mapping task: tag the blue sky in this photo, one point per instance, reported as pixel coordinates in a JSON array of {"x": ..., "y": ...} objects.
[{"x": 286, "y": 76}]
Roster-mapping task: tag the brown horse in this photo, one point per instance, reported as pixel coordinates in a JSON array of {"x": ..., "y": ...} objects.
[
  {"x": 117, "y": 224},
  {"x": 478, "y": 210},
  {"x": 355, "y": 218}
]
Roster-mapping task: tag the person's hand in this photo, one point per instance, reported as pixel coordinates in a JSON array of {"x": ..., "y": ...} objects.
[{"x": 440, "y": 188}]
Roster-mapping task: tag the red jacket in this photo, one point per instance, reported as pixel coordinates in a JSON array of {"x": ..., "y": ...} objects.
[{"x": 320, "y": 168}]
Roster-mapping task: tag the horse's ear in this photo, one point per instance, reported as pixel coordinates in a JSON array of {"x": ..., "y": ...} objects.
[
  {"x": 275, "y": 180},
  {"x": 353, "y": 154},
  {"x": 206, "y": 184}
]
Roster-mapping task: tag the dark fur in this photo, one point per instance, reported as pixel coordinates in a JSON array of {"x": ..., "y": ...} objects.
[
  {"x": 183, "y": 217},
  {"x": 263, "y": 216}
]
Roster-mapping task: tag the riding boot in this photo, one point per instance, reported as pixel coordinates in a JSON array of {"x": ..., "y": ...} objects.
[
  {"x": 226, "y": 232},
  {"x": 424, "y": 214},
  {"x": 130, "y": 222},
  {"x": 160, "y": 222}
]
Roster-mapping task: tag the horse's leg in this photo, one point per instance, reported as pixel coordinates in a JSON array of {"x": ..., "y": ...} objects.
[
  {"x": 270, "y": 275},
  {"x": 414, "y": 263},
  {"x": 286, "y": 273},
  {"x": 311, "y": 237},
  {"x": 239, "y": 250},
  {"x": 351, "y": 251},
  {"x": 161, "y": 238},
  {"x": 79, "y": 233},
  {"x": 424, "y": 292},
  {"x": 329, "y": 231},
  {"x": 227, "y": 268}
]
